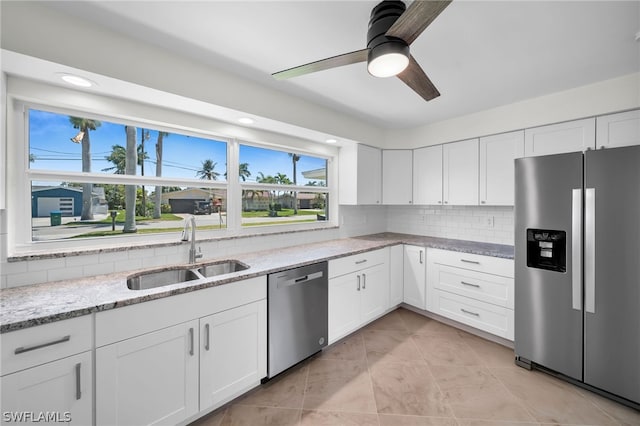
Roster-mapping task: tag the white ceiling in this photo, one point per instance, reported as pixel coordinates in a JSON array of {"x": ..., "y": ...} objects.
[{"x": 479, "y": 54}]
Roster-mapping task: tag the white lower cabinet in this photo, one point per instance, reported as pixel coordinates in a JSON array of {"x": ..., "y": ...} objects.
[
  {"x": 61, "y": 391},
  {"x": 232, "y": 353},
  {"x": 415, "y": 264},
  {"x": 374, "y": 297},
  {"x": 396, "y": 275},
  {"x": 357, "y": 293},
  {"x": 150, "y": 379},
  {"x": 157, "y": 371},
  {"x": 46, "y": 373},
  {"x": 472, "y": 289}
]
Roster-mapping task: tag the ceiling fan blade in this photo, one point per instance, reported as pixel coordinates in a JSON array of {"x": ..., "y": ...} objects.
[
  {"x": 414, "y": 77},
  {"x": 323, "y": 64},
  {"x": 416, "y": 18}
]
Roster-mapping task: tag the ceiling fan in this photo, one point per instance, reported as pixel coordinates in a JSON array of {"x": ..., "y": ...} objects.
[{"x": 392, "y": 28}]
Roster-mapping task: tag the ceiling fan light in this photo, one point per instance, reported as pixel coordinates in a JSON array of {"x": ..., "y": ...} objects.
[{"x": 388, "y": 59}]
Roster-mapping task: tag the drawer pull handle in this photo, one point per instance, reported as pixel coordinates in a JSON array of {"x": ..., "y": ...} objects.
[
  {"x": 475, "y": 314},
  {"x": 208, "y": 337},
  {"x": 469, "y": 284},
  {"x": 23, "y": 349},
  {"x": 470, "y": 261},
  {"x": 191, "y": 341},
  {"x": 421, "y": 259},
  {"x": 360, "y": 262},
  {"x": 78, "y": 391}
]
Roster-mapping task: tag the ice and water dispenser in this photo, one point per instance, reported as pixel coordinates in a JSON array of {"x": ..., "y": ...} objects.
[{"x": 547, "y": 249}]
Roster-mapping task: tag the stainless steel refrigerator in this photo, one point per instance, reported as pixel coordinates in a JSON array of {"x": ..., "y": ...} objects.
[{"x": 577, "y": 267}]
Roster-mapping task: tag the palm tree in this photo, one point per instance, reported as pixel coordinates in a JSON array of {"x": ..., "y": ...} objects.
[
  {"x": 157, "y": 211},
  {"x": 261, "y": 178},
  {"x": 131, "y": 162},
  {"x": 118, "y": 157},
  {"x": 243, "y": 171},
  {"x": 294, "y": 160},
  {"x": 85, "y": 125},
  {"x": 207, "y": 172}
]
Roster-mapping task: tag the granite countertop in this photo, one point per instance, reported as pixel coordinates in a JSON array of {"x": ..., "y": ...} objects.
[{"x": 27, "y": 306}]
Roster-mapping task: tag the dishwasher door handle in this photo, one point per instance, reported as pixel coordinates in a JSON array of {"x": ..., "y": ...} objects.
[{"x": 299, "y": 280}]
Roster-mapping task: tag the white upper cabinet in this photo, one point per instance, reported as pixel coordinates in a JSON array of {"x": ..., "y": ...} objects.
[
  {"x": 621, "y": 129},
  {"x": 360, "y": 174},
  {"x": 427, "y": 175},
  {"x": 397, "y": 176},
  {"x": 497, "y": 155},
  {"x": 571, "y": 136},
  {"x": 460, "y": 172}
]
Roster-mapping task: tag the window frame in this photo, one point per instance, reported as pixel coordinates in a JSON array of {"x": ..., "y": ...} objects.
[{"x": 20, "y": 176}]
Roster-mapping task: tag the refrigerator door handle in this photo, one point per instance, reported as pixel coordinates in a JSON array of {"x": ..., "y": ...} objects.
[
  {"x": 576, "y": 249},
  {"x": 590, "y": 250}
]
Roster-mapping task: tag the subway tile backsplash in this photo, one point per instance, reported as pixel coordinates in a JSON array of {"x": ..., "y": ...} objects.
[
  {"x": 475, "y": 223},
  {"x": 488, "y": 224}
]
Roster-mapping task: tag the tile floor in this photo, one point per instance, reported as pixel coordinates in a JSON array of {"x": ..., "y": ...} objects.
[{"x": 405, "y": 369}]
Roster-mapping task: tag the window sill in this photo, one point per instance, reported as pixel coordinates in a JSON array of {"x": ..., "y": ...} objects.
[{"x": 29, "y": 253}]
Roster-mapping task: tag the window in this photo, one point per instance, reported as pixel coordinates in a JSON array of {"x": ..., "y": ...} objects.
[
  {"x": 87, "y": 178},
  {"x": 96, "y": 204},
  {"x": 281, "y": 187}
]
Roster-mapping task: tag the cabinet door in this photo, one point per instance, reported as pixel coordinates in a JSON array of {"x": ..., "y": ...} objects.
[
  {"x": 460, "y": 172},
  {"x": 150, "y": 379},
  {"x": 369, "y": 175},
  {"x": 621, "y": 129},
  {"x": 497, "y": 176},
  {"x": 344, "y": 306},
  {"x": 571, "y": 136},
  {"x": 397, "y": 176},
  {"x": 396, "y": 275},
  {"x": 374, "y": 292},
  {"x": 427, "y": 175},
  {"x": 62, "y": 388},
  {"x": 415, "y": 276},
  {"x": 233, "y": 353}
]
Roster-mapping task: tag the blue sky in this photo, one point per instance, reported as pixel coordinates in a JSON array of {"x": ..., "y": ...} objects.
[{"x": 49, "y": 142}]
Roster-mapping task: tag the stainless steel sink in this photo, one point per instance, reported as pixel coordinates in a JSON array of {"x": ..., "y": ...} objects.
[
  {"x": 153, "y": 279},
  {"x": 221, "y": 268},
  {"x": 159, "y": 278}
]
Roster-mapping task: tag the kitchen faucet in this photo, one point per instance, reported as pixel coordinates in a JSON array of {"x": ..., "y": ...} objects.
[{"x": 190, "y": 220}]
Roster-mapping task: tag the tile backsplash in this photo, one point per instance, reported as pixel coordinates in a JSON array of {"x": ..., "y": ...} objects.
[
  {"x": 474, "y": 223},
  {"x": 488, "y": 224}
]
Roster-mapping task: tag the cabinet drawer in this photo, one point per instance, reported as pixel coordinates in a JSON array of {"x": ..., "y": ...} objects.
[
  {"x": 483, "y": 316},
  {"x": 44, "y": 343},
  {"x": 357, "y": 262},
  {"x": 473, "y": 262},
  {"x": 488, "y": 288}
]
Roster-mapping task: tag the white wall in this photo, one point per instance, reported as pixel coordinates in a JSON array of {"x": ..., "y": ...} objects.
[{"x": 604, "y": 97}]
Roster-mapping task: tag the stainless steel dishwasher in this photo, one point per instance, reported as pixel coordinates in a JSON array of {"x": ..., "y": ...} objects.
[{"x": 298, "y": 315}]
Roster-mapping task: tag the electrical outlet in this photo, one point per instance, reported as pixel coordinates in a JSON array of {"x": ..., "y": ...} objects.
[{"x": 491, "y": 221}]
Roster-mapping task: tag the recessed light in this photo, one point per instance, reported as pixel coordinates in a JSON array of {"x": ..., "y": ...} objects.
[
  {"x": 76, "y": 80},
  {"x": 246, "y": 120},
  {"x": 331, "y": 140}
]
